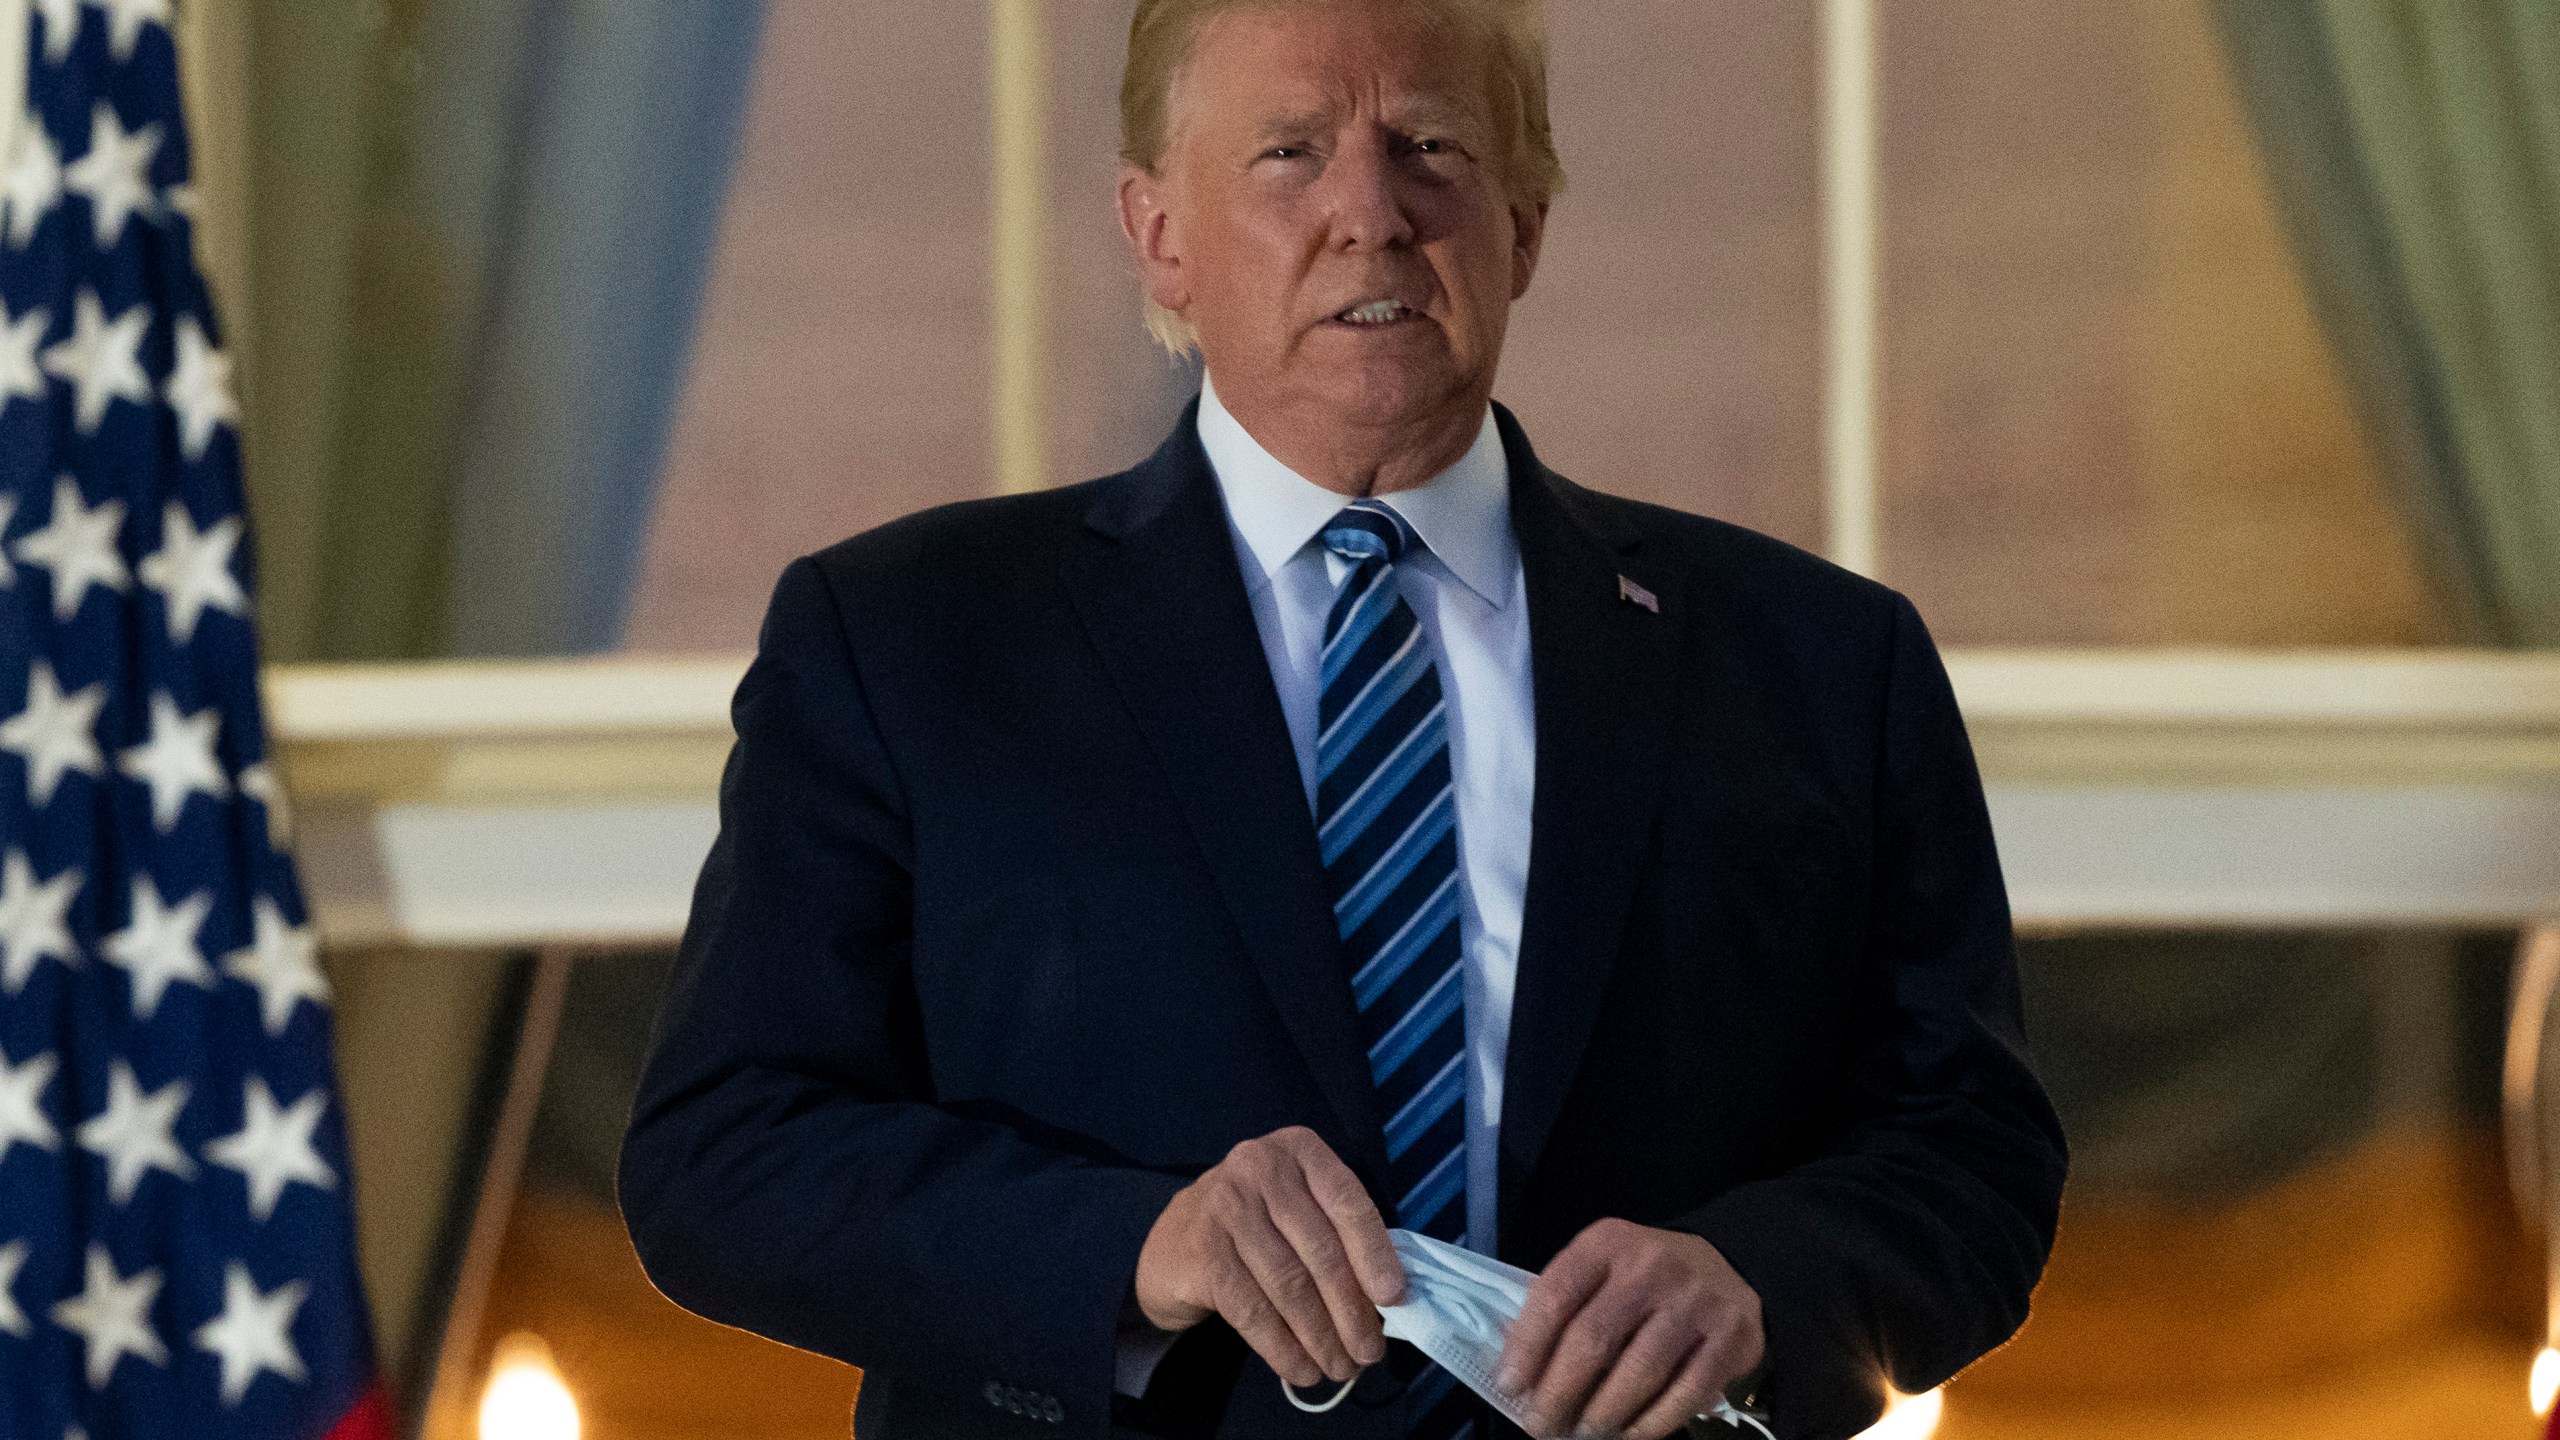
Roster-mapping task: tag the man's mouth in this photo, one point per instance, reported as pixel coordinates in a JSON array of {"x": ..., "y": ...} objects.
[{"x": 1376, "y": 312}]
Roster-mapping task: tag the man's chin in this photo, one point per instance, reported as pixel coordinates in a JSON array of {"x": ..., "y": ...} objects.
[{"x": 1379, "y": 394}]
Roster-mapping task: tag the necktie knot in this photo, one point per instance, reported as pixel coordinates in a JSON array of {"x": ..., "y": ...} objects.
[{"x": 1369, "y": 530}]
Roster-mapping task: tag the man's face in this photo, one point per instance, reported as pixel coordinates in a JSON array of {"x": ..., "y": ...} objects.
[{"x": 1331, "y": 215}]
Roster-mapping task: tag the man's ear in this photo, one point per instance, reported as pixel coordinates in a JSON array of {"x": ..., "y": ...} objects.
[
  {"x": 1528, "y": 233},
  {"x": 1152, "y": 240}
]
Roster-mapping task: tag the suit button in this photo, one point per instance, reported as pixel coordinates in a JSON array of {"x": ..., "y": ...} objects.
[{"x": 995, "y": 1394}]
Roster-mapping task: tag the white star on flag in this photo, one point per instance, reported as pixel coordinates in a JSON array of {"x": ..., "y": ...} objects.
[
  {"x": 125, "y": 19},
  {"x": 272, "y": 1148},
  {"x": 33, "y": 184},
  {"x": 61, "y": 27},
  {"x": 159, "y": 947},
  {"x": 177, "y": 761},
  {"x": 77, "y": 544},
  {"x": 20, "y": 377},
  {"x": 22, "y": 1117},
  {"x": 133, "y": 1133},
  {"x": 102, "y": 360},
  {"x": 258, "y": 782},
  {"x": 34, "y": 920},
  {"x": 199, "y": 389},
  {"x": 254, "y": 1332},
  {"x": 181, "y": 1141},
  {"x": 282, "y": 962},
  {"x": 115, "y": 174},
  {"x": 113, "y": 1316},
  {"x": 192, "y": 569},
  {"x": 13, "y": 1321},
  {"x": 56, "y": 733}
]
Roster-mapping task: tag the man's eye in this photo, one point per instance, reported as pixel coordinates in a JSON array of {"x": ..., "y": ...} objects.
[{"x": 1285, "y": 152}]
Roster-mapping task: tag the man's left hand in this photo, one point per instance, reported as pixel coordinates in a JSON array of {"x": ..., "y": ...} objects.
[{"x": 1630, "y": 1331}]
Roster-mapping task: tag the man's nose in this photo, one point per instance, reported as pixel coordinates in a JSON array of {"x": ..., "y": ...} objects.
[{"x": 1366, "y": 201}]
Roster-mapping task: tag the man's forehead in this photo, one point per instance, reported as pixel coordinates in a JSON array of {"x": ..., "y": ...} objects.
[{"x": 1288, "y": 68}]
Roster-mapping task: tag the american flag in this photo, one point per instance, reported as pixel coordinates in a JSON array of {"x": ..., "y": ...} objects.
[{"x": 176, "y": 1240}]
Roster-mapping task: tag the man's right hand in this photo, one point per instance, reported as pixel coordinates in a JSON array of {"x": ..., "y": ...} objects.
[{"x": 1279, "y": 1240}]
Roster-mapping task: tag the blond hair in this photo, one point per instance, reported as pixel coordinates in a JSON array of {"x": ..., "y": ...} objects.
[{"x": 1160, "y": 39}]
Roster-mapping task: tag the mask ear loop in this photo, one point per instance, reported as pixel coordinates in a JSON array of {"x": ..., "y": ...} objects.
[
  {"x": 1338, "y": 1395},
  {"x": 1736, "y": 1417}
]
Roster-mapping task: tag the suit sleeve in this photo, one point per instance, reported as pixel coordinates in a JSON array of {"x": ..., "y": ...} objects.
[
  {"x": 787, "y": 1169},
  {"x": 1908, "y": 1246}
]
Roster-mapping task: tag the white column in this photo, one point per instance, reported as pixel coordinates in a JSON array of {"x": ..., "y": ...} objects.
[
  {"x": 1850, "y": 220},
  {"x": 1019, "y": 226}
]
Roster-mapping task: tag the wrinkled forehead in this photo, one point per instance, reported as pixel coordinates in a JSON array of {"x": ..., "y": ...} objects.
[{"x": 1265, "y": 70}]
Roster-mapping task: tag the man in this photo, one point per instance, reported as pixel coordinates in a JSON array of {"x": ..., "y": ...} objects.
[{"x": 1132, "y": 899}]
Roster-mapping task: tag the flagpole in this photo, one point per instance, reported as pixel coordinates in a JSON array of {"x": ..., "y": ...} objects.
[{"x": 449, "y": 1389}]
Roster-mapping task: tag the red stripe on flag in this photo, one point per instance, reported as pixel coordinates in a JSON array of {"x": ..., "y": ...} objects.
[
  {"x": 2552, "y": 1431},
  {"x": 370, "y": 1419}
]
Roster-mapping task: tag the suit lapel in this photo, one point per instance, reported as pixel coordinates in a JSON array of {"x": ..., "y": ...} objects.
[
  {"x": 1158, "y": 589},
  {"x": 1603, "y": 671}
]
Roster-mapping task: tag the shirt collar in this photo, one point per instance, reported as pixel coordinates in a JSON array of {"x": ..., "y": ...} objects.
[{"x": 1463, "y": 514}]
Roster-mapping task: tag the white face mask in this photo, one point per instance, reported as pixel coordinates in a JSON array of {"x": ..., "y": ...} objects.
[{"x": 1457, "y": 1308}]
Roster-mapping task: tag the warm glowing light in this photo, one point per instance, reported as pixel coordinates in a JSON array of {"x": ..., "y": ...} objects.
[
  {"x": 2546, "y": 1380},
  {"x": 1909, "y": 1417},
  {"x": 526, "y": 1399}
]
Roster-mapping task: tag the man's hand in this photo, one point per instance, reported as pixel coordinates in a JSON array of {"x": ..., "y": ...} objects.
[
  {"x": 1280, "y": 1239},
  {"x": 1629, "y": 1332}
]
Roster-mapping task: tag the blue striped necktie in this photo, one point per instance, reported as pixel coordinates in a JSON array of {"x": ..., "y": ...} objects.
[{"x": 1387, "y": 820}]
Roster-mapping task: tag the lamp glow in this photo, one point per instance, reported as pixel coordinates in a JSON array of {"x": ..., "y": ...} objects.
[
  {"x": 526, "y": 1398},
  {"x": 1908, "y": 1417},
  {"x": 2545, "y": 1382}
]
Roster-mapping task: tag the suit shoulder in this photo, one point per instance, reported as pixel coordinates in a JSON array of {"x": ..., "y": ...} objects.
[
  {"x": 1002, "y": 532},
  {"x": 1745, "y": 567}
]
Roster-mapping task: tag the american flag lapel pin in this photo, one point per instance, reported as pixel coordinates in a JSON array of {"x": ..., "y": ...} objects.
[{"x": 1635, "y": 594}]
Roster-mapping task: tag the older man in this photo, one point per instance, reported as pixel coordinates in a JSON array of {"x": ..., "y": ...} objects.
[{"x": 1133, "y": 899}]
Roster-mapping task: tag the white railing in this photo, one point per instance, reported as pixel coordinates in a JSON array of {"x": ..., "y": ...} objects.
[{"x": 571, "y": 801}]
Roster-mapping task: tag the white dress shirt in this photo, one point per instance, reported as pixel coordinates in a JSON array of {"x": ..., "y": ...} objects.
[{"x": 1466, "y": 592}]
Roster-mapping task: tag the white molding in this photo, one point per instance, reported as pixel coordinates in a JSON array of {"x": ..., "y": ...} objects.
[
  {"x": 2145, "y": 857},
  {"x": 477, "y": 698},
  {"x": 571, "y": 801},
  {"x": 2207, "y": 687}
]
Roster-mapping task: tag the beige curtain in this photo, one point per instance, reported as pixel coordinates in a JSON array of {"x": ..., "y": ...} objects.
[
  {"x": 2416, "y": 147},
  {"x": 459, "y": 244}
]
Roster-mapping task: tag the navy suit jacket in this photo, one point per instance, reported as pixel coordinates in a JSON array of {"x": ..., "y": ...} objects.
[{"x": 1016, "y": 923}]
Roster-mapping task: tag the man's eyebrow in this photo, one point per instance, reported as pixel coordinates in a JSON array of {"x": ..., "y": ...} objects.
[
  {"x": 1434, "y": 112},
  {"x": 1418, "y": 112},
  {"x": 1281, "y": 127}
]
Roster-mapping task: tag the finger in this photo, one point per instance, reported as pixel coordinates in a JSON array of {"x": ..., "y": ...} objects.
[
  {"x": 1362, "y": 1231},
  {"x": 1310, "y": 1228},
  {"x": 1590, "y": 1343},
  {"x": 1661, "y": 1345},
  {"x": 1243, "y": 1305},
  {"x": 1693, "y": 1389},
  {"x": 1569, "y": 1280},
  {"x": 1274, "y": 1265}
]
